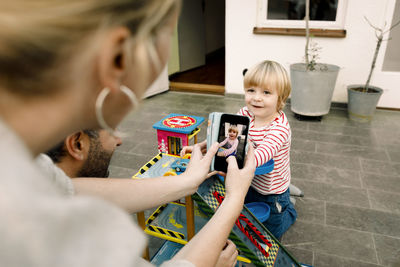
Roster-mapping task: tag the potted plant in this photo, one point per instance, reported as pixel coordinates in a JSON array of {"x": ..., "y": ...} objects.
[
  {"x": 312, "y": 83},
  {"x": 363, "y": 98}
]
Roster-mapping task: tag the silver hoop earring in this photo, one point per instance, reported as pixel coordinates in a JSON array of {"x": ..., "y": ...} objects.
[{"x": 99, "y": 108}]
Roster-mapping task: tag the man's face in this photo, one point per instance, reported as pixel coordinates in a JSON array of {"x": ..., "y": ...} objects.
[{"x": 99, "y": 155}]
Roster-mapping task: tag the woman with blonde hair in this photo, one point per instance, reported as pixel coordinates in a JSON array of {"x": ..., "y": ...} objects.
[{"x": 67, "y": 65}]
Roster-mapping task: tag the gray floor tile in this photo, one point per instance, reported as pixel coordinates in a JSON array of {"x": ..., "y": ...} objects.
[
  {"x": 334, "y": 138},
  {"x": 129, "y": 161},
  {"x": 342, "y": 130},
  {"x": 302, "y": 255},
  {"x": 120, "y": 172},
  {"x": 320, "y": 159},
  {"x": 325, "y": 260},
  {"x": 305, "y": 145},
  {"x": 331, "y": 240},
  {"x": 388, "y": 138},
  {"x": 325, "y": 174},
  {"x": 144, "y": 148},
  {"x": 353, "y": 151},
  {"x": 394, "y": 155},
  {"x": 390, "y": 183},
  {"x": 367, "y": 220},
  {"x": 295, "y": 124},
  {"x": 334, "y": 193},
  {"x": 127, "y": 144},
  {"x": 385, "y": 201},
  {"x": 310, "y": 210},
  {"x": 379, "y": 167},
  {"x": 388, "y": 250}
]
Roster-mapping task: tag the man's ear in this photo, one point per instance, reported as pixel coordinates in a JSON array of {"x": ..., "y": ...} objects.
[
  {"x": 77, "y": 146},
  {"x": 113, "y": 57}
]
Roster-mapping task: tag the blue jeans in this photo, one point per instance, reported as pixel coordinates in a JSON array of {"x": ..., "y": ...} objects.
[{"x": 282, "y": 212}]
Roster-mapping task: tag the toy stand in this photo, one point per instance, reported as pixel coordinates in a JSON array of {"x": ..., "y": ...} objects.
[
  {"x": 173, "y": 133},
  {"x": 178, "y": 223},
  {"x": 171, "y": 221},
  {"x": 156, "y": 167}
]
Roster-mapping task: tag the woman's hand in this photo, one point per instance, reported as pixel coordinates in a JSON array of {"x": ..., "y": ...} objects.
[
  {"x": 237, "y": 181},
  {"x": 188, "y": 149},
  {"x": 199, "y": 166},
  {"x": 228, "y": 256}
]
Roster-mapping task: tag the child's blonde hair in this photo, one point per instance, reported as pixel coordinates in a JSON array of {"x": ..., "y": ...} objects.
[{"x": 267, "y": 74}]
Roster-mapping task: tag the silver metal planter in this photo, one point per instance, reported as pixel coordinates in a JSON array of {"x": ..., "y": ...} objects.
[
  {"x": 362, "y": 105},
  {"x": 312, "y": 90}
]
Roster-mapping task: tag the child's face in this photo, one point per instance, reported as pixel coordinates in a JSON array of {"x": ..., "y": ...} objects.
[
  {"x": 232, "y": 134},
  {"x": 262, "y": 102}
]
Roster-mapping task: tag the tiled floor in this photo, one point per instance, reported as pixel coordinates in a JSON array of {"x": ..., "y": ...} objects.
[{"x": 349, "y": 172}]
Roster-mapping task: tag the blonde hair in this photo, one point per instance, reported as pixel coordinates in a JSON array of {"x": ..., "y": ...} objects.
[
  {"x": 40, "y": 37},
  {"x": 269, "y": 74}
]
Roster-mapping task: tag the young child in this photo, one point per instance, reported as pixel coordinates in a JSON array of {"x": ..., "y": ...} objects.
[
  {"x": 230, "y": 143},
  {"x": 267, "y": 87}
]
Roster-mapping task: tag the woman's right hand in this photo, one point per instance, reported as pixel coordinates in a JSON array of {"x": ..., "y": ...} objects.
[{"x": 237, "y": 181}]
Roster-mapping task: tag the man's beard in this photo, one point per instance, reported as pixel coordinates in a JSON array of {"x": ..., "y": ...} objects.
[{"x": 97, "y": 162}]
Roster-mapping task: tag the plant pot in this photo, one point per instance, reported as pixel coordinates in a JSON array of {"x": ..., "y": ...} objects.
[
  {"x": 312, "y": 90},
  {"x": 362, "y": 105}
]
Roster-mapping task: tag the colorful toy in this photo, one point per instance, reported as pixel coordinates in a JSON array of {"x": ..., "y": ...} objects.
[
  {"x": 178, "y": 222},
  {"x": 175, "y": 130},
  {"x": 180, "y": 165},
  {"x": 266, "y": 168},
  {"x": 259, "y": 209}
]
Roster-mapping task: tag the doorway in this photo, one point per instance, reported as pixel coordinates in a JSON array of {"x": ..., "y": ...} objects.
[{"x": 197, "y": 62}]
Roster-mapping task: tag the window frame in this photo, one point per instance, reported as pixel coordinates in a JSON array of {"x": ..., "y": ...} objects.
[{"x": 264, "y": 22}]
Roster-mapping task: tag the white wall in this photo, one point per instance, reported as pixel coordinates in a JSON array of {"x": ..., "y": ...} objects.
[
  {"x": 392, "y": 55},
  {"x": 352, "y": 53}
]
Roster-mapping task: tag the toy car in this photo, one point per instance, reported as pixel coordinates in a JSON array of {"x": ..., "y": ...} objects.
[{"x": 180, "y": 165}]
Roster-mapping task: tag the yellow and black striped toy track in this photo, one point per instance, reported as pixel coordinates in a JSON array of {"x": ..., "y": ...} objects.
[
  {"x": 148, "y": 165},
  {"x": 162, "y": 232}
]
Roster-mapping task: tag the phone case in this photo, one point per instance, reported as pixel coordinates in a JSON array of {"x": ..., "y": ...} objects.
[{"x": 214, "y": 120}]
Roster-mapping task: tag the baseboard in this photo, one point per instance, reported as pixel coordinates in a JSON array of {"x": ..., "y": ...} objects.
[
  {"x": 342, "y": 105},
  {"x": 197, "y": 88}
]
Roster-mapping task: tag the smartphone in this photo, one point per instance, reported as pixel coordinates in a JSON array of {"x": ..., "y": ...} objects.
[{"x": 230, "y": 131}]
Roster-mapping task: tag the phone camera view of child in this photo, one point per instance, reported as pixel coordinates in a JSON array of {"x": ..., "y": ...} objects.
[{"x": 232, "y": 139}]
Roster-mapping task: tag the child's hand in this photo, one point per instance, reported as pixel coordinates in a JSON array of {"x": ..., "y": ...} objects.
[
  {"x": 237, "y": 180},
  {"x": 199, "y": 166}
]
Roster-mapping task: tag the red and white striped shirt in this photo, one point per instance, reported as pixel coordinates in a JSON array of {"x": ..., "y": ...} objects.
[{"x": 271, "y": 142}]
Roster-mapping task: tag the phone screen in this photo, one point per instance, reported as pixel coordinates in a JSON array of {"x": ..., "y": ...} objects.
[{"x": 232, "y": 137}]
